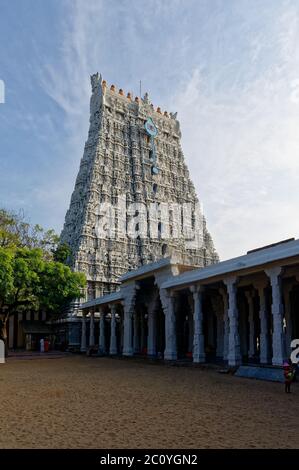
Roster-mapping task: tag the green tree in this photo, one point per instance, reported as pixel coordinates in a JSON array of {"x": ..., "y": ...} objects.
[
  {"x": 62, "y": 253},
  {"x": 15, "y": 231},
  {"x": 8, "y": 230},
  {"x": 59, "y": 286},
  {"x": 6, "y": 287},
  {"x": 29, "y": 281}
]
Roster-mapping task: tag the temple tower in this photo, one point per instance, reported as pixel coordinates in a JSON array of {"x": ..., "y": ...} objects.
[{"x": 133, "y": 166}]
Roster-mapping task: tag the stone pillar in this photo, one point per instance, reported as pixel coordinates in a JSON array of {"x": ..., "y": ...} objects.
[
  {"x": 83, "y": 333},
  {"x": 122, "y": 332},
  {"x": 128, "y": 327},
  {"x": 191, "y": 332},
  {"x": 225, "y": 323},
  {"x": 234, "y": 354},
  {"x": 277, "y": 314},
  {"x": 102, "y": 341},
  {"x": 113, "y": 342},
  {"x": 170, "y": 328},
  {"x": 129, "y": 295},
  {"x": 288, "y": 318},
  {"x": 151, "y": 339},
  {"x": 250, "y": 299},
  {"x": 198, "y": 338},
  {"x": 152, "y": 326},
  {"x": 264, "y": 327},
  {"x": 136, "y": 340},
  {"x": 91, "y": 329}
]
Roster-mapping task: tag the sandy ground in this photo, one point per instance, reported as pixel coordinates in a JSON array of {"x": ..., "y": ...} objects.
[{"x": 80, "y": 402}]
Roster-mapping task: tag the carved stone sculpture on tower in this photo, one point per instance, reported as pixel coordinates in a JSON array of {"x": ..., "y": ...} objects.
[{"x": 140, "y": 175}]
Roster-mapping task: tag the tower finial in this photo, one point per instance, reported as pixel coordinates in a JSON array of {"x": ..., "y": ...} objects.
[
  {"x": 146, "y": 99},
  {"x": 95, "y": 80}
]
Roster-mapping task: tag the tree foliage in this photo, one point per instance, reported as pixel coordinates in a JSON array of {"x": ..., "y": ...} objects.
[
  {"x": 15, "y": 231},
  {"x": 62, "y": 253},
  {"x": 33, "y": 273},
  {"x": 58, "y": 286}
]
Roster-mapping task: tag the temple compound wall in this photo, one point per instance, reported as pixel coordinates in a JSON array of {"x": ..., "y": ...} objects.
[{"x": 244, "y": 310}]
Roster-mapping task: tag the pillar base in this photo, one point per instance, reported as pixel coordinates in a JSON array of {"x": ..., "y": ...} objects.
[
  {"x": 83, "y": 350},
  {"x": 265, "y": 360},
  {"x": 151, "y": 353},
  {"x": 128, "y": 353},
  {"x": 199, "y": 359},
  {"x": 234, "y": 361},
  {"x": 152, "y": 356},
  {"x": 277, "y": 361},
  {"x": 170, "y": 356},
  {"x": 101, "y": 353}
]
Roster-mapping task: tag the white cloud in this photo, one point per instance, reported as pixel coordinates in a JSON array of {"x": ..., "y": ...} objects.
[
  {"x": 242, "y": 147},
  {"x": 234, "y": 74}
]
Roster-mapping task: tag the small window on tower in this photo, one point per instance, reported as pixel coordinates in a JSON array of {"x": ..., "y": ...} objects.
[{"x": 155, "y": 188}]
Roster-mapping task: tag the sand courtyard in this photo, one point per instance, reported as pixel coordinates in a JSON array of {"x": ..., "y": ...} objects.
[{"x": 81, "y": 402}]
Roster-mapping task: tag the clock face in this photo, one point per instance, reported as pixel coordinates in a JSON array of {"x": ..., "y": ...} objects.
[{"x": 151, "y": 128}]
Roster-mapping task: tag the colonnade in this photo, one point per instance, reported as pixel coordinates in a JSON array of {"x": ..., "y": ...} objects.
[{"x": 262, "y": 333}]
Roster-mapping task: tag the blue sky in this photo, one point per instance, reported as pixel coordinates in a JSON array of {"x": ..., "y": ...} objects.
[{"x": 229, "y": 67}]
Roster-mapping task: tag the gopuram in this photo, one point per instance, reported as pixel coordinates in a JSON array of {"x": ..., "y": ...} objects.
[{"x": 133, "y": 202}]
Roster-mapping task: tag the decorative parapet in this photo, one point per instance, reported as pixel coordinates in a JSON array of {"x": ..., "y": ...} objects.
[{"x": 96, "y": 81}]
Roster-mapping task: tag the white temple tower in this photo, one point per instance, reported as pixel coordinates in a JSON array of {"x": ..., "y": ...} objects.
[{"x": 133, "y": 163}]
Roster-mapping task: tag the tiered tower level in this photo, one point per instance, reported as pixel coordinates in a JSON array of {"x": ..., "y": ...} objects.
[{"x": 118, "y": 160}]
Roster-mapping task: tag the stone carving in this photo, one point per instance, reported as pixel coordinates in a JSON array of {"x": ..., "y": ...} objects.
[
  {"x": 116, "y": 162},
  {"x": 95, "y": 80}
]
